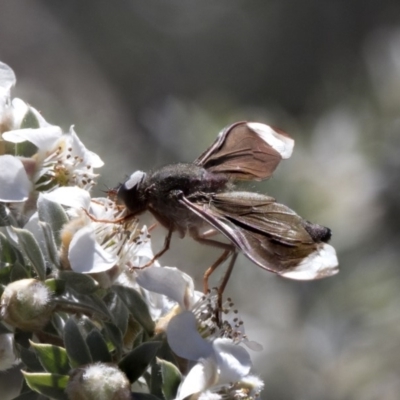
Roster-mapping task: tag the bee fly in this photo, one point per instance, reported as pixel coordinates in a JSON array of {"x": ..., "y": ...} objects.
[{"x": 188, "y": 198}]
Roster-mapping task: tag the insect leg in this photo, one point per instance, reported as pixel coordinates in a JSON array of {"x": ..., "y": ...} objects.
[
  {"x": 165, "y": 248},
  {"x": 229, "y": 251}
]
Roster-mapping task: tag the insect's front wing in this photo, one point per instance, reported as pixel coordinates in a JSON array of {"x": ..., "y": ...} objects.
[{"x": 270, "y": 234}]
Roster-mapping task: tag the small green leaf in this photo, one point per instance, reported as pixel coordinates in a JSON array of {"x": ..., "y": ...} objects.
[
  {"x": 171, "y": 378},
  {"x": 114, "y": 334},
  {"x": 30, "y": 247},
  {"x": 118, "y": 310},
  {"x": 7, "y": 252},
  {"x": 77, "y": 349},
  {"x": 5, "y": 274},
  {"x": 71, "y": 299},
  {"x": 98, "y": 347},
  {"x": 50, "y": 385},
  {"x": 30, "y": 359},
  {"x": 156, "y": 381},
  {"x": 143, "y": 396},
  {"x": 135, "y": 363},
  {"x": 4, "y": 329},
  {"x": 53, "y": 358},
  {"x": 54, "y": 215},
  {"x": 50, "y": 244},
  {"x": 57, "y": 286},
  {"x": 5, "y": 217},
  {"x": 136, "y": 306},
  {"x": 82, "y": 283},
  {"x": 30, "y": 120},
  {"x": 28, "y": 395},
  {"x": 18, "y": 272}
]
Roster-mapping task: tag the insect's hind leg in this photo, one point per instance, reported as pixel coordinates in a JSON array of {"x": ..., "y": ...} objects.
[{"x": 229, "y": 251}]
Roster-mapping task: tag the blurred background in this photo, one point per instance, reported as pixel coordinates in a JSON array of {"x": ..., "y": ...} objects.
[{"x": 148, "y": 83}]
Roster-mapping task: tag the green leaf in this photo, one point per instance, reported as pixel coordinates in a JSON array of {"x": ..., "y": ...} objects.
[
  {"x": 156, "y": 381},
  {"x": 73, "y": 300},
  {"x": 4, "y": 329},
  {"x": 114, "y": 334},
  {"x": 54, "y": 359},
  {"x": 18, "y": 272},
  {"x": 57, "y": 286},
  {"x": 82, "y": 283},
  {"x": 77, "y": 349},
  {"x": 171, "y": 378},
  {"x": 30, "y": 248},
  {"x": 135, "y": 363},
  {"x": 5, "y": 217},
  {"x": 5, "y": 275},
  {"x": 7, "y": 252},
  {"x": 49, "y": 242},
  {"x": 30, "y": 121},
  {"x": 54, "y": 215},
  {"x": 118, "y": 310},
  {"x": 30, "y": 395},
  {"x": 98, "y": 347},
  {"x": 136, "y": 306},
  {"x": 143, "y": 396},
  {"x": 30, "y": 359},
  {"x": 50, "y": 385}
]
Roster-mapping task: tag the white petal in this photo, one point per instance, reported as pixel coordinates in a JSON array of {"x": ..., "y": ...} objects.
[
  {"x": 70, "y": 196},
  {"x": 280, "y": 142},
  {"x": 14, "y": 182},
  {"x": 320, "y": 264},
  {"x": 234, "y": 361},
  {"x": 80, "y": 150},
  {"x": 185, "y": 340},
  {"x": 169, "y": 281},
  {"x": 19, "y": 110},
  {"x": 86, "y": 255},
  {"x": 7, "y": 78},
  {"x": 202, "y": 376},
  {"x": 43, "y": 138}
]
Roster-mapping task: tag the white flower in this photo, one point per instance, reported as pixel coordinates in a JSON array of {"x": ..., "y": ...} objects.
[
  {"x": 61, "y": 159},
  {"x": 194, "y": 333},
  {"x": 14, "y": 183},
  {"x": 92, "y": 242}
]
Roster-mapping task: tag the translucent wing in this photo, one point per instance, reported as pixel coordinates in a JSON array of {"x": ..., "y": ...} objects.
[
  {"x": 270, "y": 234},
  {"x": 247, "y": 151}
]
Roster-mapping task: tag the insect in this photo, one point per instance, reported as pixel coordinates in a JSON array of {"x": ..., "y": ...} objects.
[{"x": 189, "y": 198}]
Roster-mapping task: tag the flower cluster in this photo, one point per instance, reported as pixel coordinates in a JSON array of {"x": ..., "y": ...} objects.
[{"x": 79, "y": 315}]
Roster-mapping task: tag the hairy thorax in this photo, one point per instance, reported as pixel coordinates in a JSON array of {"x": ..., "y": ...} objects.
[{"x": 189, "y": 180}]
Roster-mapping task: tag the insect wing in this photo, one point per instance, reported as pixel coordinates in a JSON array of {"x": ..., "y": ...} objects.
[
  {"x": 247, "y": 151},
  {"x": 270, "y": 234}
]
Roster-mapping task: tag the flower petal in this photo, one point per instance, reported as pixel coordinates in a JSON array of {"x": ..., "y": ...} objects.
[
  {"x": 70, "y": 196},
  {"x": 169, "y": 281},
  {"x": 14, "y": 182},
  {"x": 80, "y": 150},
  {"x": 234, "y": 361},
  {"x": 7, "y": 79},
  {"x": 86, "y": 255},
  {"x": 43, "y": 138},
  {"x": 185, "y": 340},
  {"x": 202, "y": 376}
]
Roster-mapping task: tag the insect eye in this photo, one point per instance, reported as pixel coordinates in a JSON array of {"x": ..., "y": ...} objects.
[{"x": 130, "y": 192}]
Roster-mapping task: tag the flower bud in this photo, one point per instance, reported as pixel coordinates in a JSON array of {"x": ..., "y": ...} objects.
[
  {"x": 26, "y": 304},
  {"x": 98, "y": 382}
]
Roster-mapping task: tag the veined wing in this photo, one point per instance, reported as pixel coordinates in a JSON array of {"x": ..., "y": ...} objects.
[
  {"x": 270, "y": 234},
  {"x": 247, "y": 151}
]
